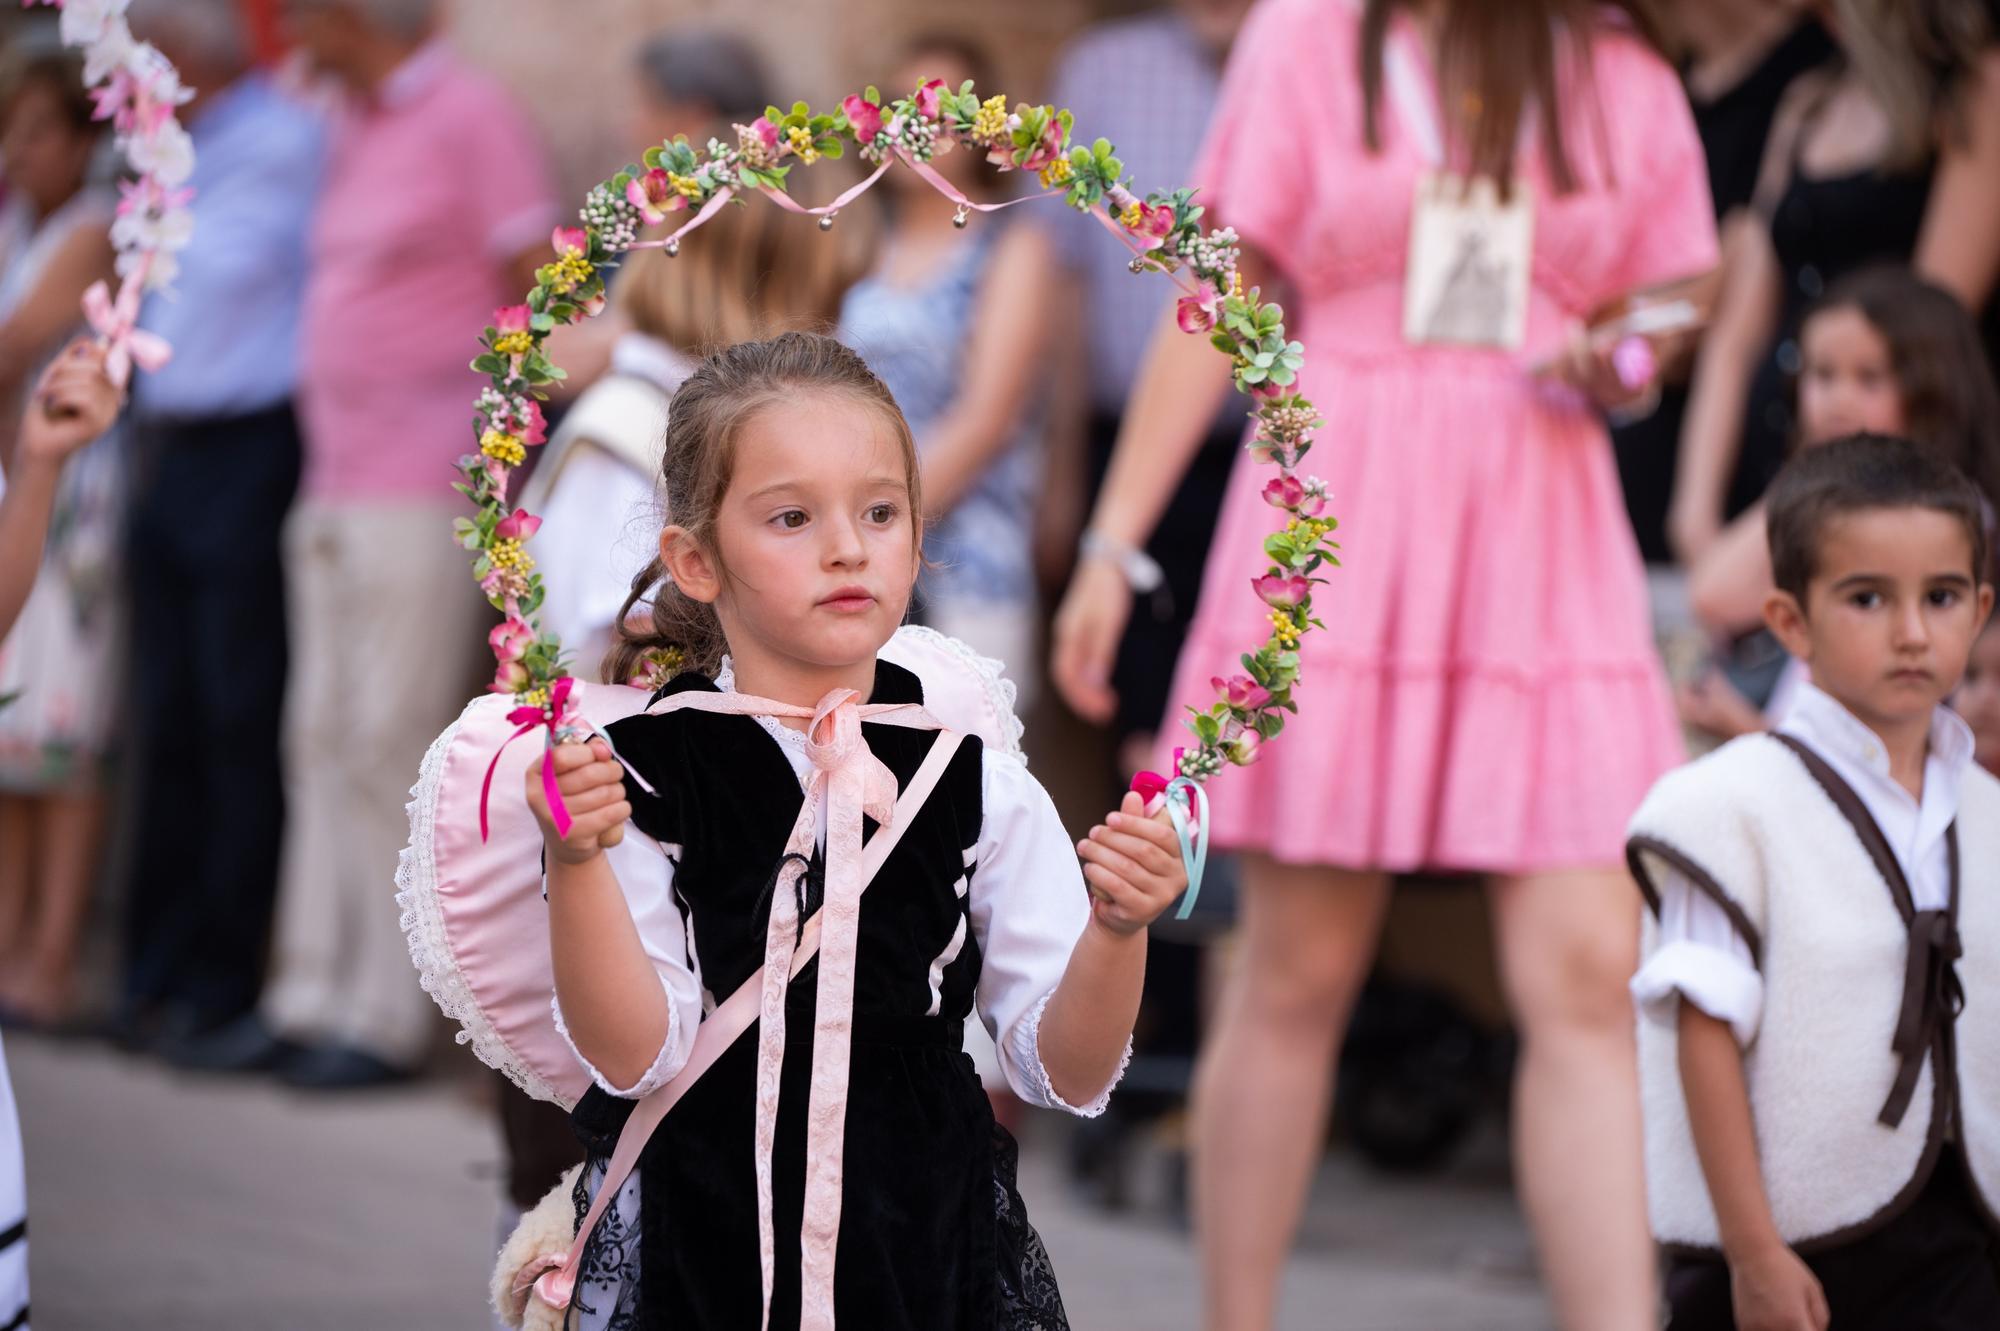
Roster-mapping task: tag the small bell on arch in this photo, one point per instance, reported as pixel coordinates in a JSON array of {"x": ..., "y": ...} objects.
[
  {"x": 673, "y": 249},
  {"x": 961, "y": 217},
  {"x": 826, "y": 222}
]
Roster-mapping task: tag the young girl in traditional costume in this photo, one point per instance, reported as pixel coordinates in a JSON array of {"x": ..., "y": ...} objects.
[{"x": 792, "y": 544}]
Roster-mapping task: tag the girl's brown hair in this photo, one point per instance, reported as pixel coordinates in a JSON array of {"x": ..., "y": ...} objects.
[
  {"x": 1951, "y": 408},
  {"x": 1496, "y": 58},
  {"x": 751, "y": 275},
  {"x": 703, "y": 423}
]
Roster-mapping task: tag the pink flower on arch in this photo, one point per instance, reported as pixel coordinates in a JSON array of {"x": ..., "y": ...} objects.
[
  {"x": 1050, "y": 147},
  {"x": 1243, "y": 749},
  {"x": 511, "y": 639},
  {"x": 1285, "y": 492},
  {"x": 571, "y": 241},
  {"x": 1196, "y": 314},
  {"x": 1154, "y": 226},
  {"x": 864, "y": 116},
  {"x": 511, "y": 677},
  {"x": 1242, "y": 691},
  {"x": 654, "y": 195},
  {"x": 518, "y": 527},
  {"x": 512, "y": 318},
  {"x": 530, "y": 425},
  {"x": 927, "y": 99},
  {"x": 1284, "y": 593},
  {"x": 1149, "y": 785}
]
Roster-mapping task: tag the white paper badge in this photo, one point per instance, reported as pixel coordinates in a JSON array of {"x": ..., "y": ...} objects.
[{"x": 1470, "y": 255}]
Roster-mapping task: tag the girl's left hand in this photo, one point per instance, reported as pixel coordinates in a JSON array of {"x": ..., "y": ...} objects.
[{"x": 1133, "y": 866}]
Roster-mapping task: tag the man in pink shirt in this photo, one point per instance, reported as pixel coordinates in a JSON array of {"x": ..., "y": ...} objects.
[{"x": 436, "y": 209}]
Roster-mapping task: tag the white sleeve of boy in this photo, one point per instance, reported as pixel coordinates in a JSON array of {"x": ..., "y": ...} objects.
[
  {"x": 645, "y": 872},
  {"x": 1701, "y": 958},
  {"x": 1028, "y": 906}
]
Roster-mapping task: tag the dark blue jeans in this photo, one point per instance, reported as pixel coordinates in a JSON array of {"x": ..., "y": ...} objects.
[{"x": 208, "y": 683}]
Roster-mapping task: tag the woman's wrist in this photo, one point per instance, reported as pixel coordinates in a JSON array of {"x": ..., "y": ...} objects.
[{"x": 1142, "y": 573}]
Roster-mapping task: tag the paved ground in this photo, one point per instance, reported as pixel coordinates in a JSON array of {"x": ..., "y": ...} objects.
[{"x": 165, "y": 1203}]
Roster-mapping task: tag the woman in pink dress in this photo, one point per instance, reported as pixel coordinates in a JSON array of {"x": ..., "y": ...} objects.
[{"x": 1485, "y": 696}]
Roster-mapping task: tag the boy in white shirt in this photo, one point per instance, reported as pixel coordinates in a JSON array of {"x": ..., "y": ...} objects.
[{"x": 1819, "y": 1049}]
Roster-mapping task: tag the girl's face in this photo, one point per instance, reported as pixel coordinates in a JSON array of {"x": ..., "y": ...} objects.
[
  {"x": 1847, "y": 383},
  {"x": 43, "y": 154},
  {"x": 1978, "y": 698},
  {"x": 816, "y": 540}
]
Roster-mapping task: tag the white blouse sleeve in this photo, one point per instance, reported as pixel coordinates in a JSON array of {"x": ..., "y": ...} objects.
[
  {"x": 645, "y": 872},
  {"x": 1701, "y": 957},
  {"x": 1029, "y": 906}
]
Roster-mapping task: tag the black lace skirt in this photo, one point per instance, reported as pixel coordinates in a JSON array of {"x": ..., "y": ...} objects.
[{"x": 933, "y": 1237}]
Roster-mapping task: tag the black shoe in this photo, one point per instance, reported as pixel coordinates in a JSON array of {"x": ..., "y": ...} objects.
[
  {"x": 137, "y": 1028},
  {"x": 244, "y": 1044},
  {"x": 340, "y": 1068}
]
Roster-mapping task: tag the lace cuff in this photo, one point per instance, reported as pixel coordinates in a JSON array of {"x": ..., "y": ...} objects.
[
  {"x": 1031, "y": 1079},
  {"x": 665, "y": 1063}
]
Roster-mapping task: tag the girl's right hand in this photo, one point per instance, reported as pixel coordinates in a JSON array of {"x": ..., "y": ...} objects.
[
  {"x": 1085, "y": 637},
  {"x": 1775, "y": 1291},
  {"x": 593, "y": 791}
]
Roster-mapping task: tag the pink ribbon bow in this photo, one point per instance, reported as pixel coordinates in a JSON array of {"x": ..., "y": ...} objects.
[
  {"x": 116, "y": 325},
  {"x": 527, "y": 719}
]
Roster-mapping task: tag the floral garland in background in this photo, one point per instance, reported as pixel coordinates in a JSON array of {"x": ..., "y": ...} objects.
[
  {"x": 136, "y": 89},
  {"x": 1163, "y": 231}
]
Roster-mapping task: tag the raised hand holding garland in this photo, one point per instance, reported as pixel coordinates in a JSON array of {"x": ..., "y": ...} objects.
[
  {"x": 1162, "y": 231},
  {"x": 136, "y": 89}
]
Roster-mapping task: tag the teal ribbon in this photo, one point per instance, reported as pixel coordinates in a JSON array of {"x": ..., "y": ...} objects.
[{"x": 1187, "y": 809}]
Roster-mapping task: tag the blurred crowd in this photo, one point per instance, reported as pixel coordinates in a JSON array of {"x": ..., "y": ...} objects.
[{"x": 250, "y": 620}]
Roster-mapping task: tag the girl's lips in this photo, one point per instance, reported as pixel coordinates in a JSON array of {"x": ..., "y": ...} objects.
[{"x": 849, "y": 600}]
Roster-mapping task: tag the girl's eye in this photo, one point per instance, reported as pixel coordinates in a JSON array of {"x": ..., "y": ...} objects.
[
  {"x": 883, "y": 514},
  {"x": 1865, "y": 600},
  {"x": 1944, "y": 597},
  {"x": 791, "y": 519}
]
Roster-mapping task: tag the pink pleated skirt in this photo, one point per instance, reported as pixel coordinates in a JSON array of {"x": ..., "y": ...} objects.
[{"x": 1486, "y": 695}]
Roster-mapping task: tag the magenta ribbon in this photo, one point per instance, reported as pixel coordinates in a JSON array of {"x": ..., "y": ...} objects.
[
  {"x": 527, "y": 718},
  {"x": 553, "y": 716}
]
